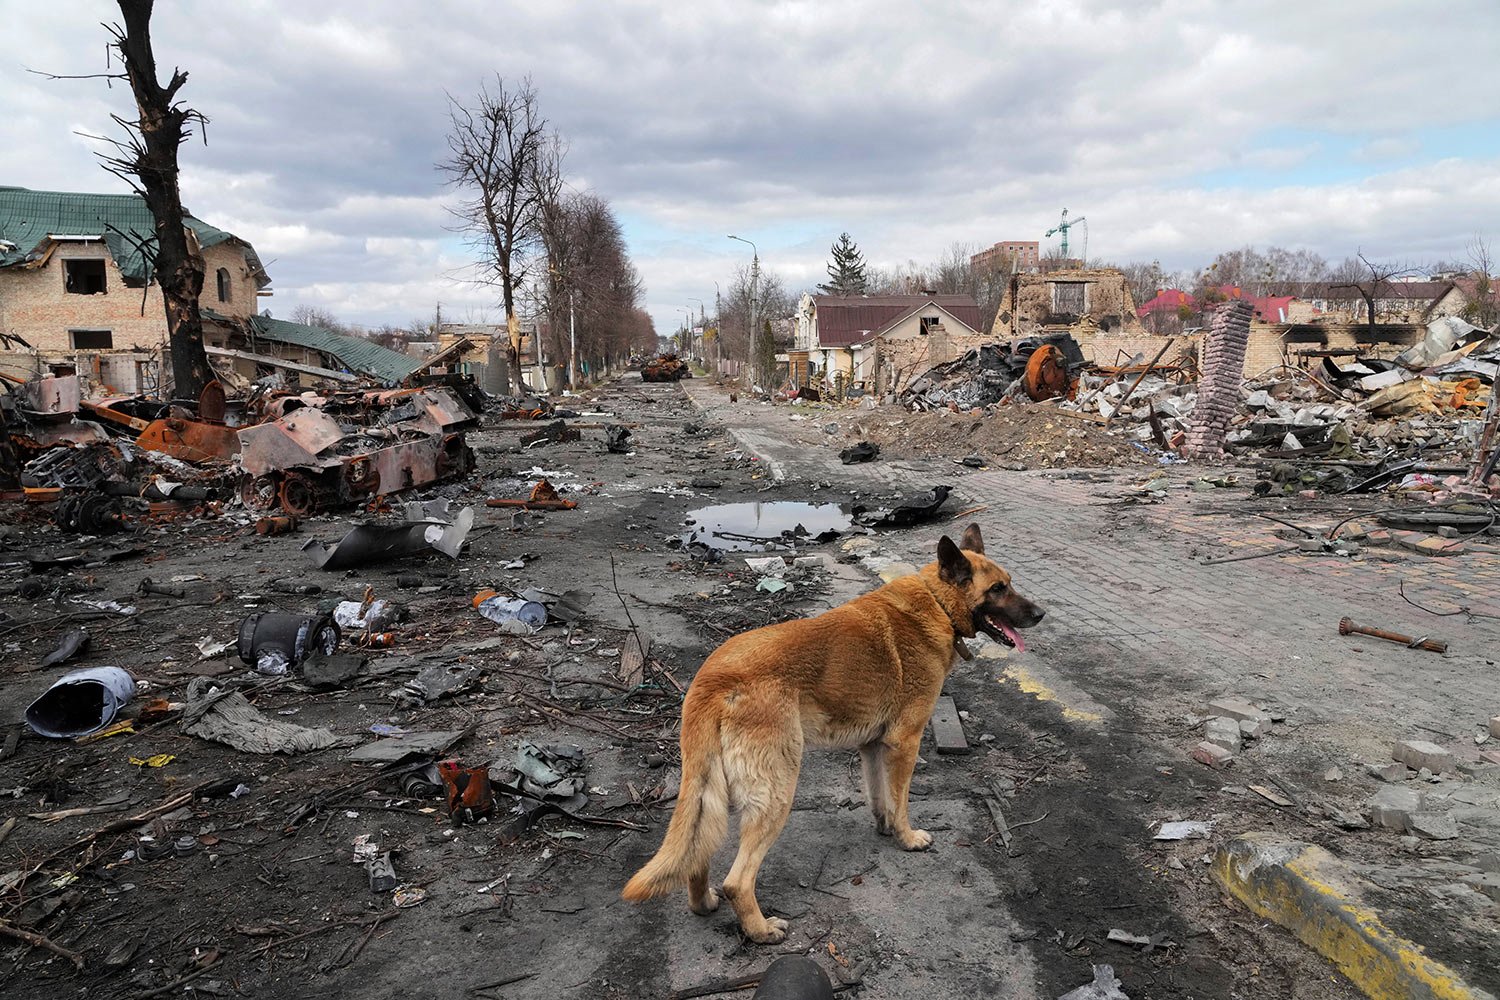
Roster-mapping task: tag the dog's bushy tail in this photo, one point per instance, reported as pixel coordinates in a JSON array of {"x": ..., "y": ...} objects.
[{"x": 701, "y": 818}]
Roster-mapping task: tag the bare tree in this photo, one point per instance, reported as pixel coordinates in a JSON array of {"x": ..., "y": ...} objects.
[
  {"x": 494, "y": 149},
  {"x": 1368, "y": 279},
  {"x": 1483, "y": 308},
  {"x": 146, "y": 159}
]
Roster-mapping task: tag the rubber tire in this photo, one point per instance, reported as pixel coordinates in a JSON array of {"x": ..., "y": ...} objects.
[{"x": 794, "y": 977}]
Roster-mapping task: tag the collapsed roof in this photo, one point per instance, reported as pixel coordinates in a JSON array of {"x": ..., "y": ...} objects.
[{"x": 32, "y": 222}]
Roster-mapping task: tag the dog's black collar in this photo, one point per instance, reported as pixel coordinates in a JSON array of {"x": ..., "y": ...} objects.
[{"x": 958, "y": 637}]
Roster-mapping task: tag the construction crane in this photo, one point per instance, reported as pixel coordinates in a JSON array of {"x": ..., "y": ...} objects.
[{"x": 1063, "y": 227}]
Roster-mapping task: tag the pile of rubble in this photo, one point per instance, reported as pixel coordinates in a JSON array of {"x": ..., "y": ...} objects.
[
  {"x": 274, "y": 449},
  {"x": 1428, "y": 412},
  {"x": 1035, "y": 368}
]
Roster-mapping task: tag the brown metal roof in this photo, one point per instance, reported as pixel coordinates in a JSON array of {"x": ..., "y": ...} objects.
[{"x": 844, "y": 321}]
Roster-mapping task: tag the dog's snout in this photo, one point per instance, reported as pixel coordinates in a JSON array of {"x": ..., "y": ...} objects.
[{"x": 1037, "y": 614}]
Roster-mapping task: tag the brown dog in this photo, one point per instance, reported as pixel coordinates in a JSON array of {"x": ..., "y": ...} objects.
[{"x": 865, "y": 674}]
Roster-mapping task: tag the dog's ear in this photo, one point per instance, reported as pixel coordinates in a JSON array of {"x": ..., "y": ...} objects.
[
  {"x": 953, "y": 565},
  {"x": 972, "y": 541}
]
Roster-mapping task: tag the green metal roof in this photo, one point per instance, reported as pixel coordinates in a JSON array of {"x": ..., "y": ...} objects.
[
  {"x": 362, "y": 356},
  {"x": 28, "y": 218}
]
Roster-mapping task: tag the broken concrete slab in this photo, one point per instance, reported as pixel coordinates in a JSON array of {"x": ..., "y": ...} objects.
[
  {"x": 1417, "y": 754},
  {"x": 1237, "y": 709},
  {"x": 1392, "y": 807},
  {"x": 1254, "y": 729},
  {"x": 1433, "y": 825},
  {"x": 1487, "y": 883},
  {"x": 1395, "y": 771},
  {"x": 1224, "y": 732}
]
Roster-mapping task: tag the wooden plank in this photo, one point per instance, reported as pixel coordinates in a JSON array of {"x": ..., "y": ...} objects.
[
  {"x": 947, "y": 729},
  {"x": 264, "y": 359},
  {"x": 633, "y": 657}
]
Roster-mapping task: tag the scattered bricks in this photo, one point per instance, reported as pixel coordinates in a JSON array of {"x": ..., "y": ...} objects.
[
  {"x": 1407, "y": 539},
  {"x": 1417, "y": 754},
  {"x": 1433, "y": 826},
  {"x": 1235, "y": 708},
  {"x": 1378, "y": 537},
  {"x": 1310, "y": 544},
  {"x": 1213, "y": 755},
  {"x": 1440, "y": 547},
  {"x": 1495, "y": 727},
  {"x": 1447, "y": 531},
  {"x": 1254, "y": 729},
  {"x": 1392, "y": 807},
  {"x": 1354, "y": 531},
  {"x": 1222, "y": 732},
  {"x": 1427, "y": 545}
]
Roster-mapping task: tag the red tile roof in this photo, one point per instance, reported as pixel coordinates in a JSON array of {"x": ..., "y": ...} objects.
[{"x": 845, "y": 321}]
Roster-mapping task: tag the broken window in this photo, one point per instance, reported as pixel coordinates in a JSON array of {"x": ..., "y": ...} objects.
[
  {"x": 928, "y": 322},
  {"x": 225, "y": 290},
  {"x": 1069, "y": 298},
  {"x": 84, "y": 276},
  {"x": 92, "y": 340}
]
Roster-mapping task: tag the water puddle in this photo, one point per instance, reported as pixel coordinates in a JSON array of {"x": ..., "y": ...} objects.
[{"x": 765, "y": 527}]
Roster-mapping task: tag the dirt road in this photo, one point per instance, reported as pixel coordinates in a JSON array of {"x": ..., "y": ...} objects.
[{"x": 1080, "y": 746}]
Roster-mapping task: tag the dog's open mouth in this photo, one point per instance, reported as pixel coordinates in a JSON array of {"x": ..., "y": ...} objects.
[{"x": 1005, "y": 633}]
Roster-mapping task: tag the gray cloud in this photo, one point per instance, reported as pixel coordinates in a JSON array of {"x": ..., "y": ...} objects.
[{"x": 1179, "y": 127}]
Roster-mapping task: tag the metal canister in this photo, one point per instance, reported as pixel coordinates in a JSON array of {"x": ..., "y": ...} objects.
[{"x": 271, "y": 638}]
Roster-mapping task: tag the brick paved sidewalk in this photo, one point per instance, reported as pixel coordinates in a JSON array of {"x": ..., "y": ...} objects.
[{"x": 1130, "y": 579}]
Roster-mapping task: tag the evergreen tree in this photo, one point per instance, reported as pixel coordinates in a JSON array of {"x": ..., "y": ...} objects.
[{"x": 846, "y": 273}]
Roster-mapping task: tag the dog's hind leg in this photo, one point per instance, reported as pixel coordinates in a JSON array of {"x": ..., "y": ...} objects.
[
  {"x": 765, "y": 779},
  {"x": 702, "y": 900},
  {"x": 872, "y": 766}
]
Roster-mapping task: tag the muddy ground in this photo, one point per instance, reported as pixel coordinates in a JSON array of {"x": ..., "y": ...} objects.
[
  {"x": 1012, "y": 437},
  {"x": 266, "y": 902}
]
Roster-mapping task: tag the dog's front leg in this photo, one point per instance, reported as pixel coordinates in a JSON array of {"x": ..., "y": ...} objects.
[{"x": 900, "y": 758}]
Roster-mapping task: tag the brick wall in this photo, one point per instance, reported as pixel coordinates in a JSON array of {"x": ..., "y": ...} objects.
[
  {"x": 1269, "y": 345},
  {"x": 1031, "y": 305},
  {"x": 35, "y": 305}
]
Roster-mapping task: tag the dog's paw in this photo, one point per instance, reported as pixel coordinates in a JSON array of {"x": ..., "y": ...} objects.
[
  {"x": 915, "y": 840},
  {"x": 707, "y": 905},
  {"x": 883, "y": 826},
  {"x": 774, "y": 933}
]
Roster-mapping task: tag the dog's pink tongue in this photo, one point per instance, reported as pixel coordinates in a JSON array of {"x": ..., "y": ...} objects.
[{"x": 1014, "y": 637}]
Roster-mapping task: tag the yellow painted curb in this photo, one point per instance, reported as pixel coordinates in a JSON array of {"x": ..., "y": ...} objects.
[{"x": 1308, "y": 891}]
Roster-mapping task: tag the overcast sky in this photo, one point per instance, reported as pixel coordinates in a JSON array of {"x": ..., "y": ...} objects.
[{"x": 1177, "y": 128}]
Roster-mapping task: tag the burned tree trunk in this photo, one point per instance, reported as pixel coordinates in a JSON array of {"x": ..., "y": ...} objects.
[{"x": 149, "y": 161}]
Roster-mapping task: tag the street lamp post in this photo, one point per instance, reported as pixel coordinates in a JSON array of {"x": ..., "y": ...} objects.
[
  {"x": 718, "y": 330},
  {"x": 572, "y": 346},
  {"x": 702, "y": 313},
  {"x": 754, "y": 306}
]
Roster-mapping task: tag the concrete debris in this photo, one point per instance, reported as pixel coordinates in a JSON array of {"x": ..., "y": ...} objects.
[
  {"x": 1393, "y": 806},
  {"x": 1104, "y": 987},
  {"x": 1417, "y": 754}
]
